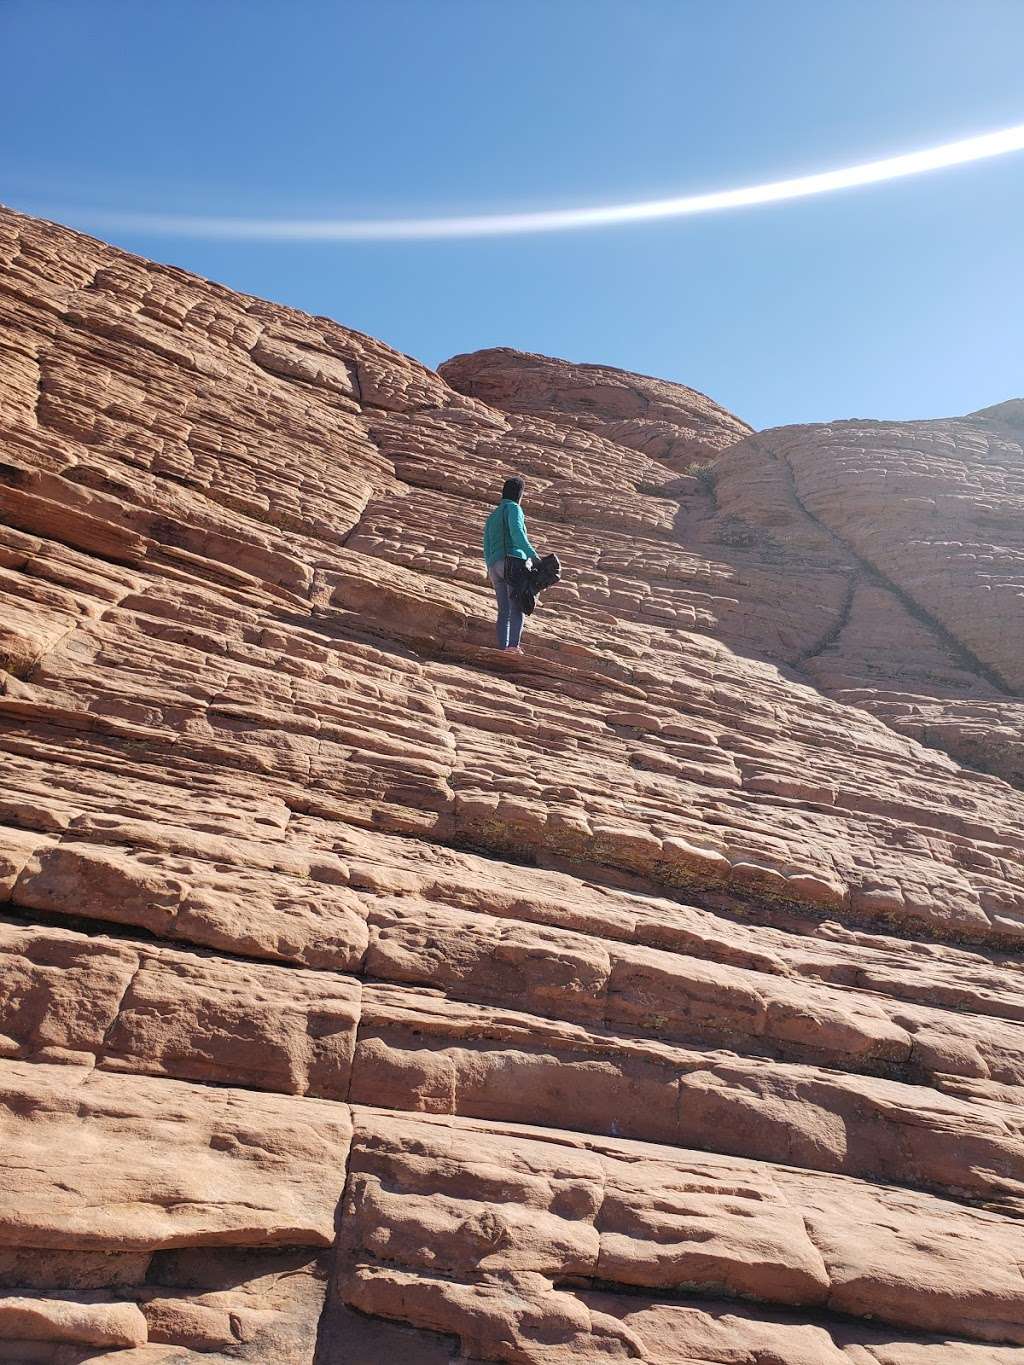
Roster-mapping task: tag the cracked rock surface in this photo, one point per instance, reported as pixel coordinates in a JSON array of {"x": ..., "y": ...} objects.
[{"x": 368, "y": 997}]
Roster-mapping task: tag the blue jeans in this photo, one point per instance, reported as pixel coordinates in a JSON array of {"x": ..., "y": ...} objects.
[{"x": 510, "y": 614}]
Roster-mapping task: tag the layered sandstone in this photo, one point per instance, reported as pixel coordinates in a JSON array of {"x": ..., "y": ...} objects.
[{"x": 367, "y": 996}]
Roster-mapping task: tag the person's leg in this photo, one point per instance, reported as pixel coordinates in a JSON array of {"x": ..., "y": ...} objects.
[
  {"x": 496, "y": 573},
  {"x": 515, "y": 623}
]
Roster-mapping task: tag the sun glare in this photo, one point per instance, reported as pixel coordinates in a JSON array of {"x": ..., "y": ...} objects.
[{"x": 948, "y": 154}]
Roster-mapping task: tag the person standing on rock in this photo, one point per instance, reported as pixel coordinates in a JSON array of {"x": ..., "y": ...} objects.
[{"x": 505, "y": 539}]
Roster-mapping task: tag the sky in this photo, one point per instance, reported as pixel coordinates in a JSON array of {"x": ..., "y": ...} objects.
[{"x": 898, "y": 300}]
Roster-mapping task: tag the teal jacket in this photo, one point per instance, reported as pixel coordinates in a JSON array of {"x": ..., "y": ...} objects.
[{"x": 514, "y": 535}]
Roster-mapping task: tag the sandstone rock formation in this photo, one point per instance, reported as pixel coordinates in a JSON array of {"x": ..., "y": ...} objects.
[{"x": 366, "y": 996}]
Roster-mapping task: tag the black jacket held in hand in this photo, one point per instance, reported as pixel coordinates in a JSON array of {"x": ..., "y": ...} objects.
[{"x": 524, "y": 584}]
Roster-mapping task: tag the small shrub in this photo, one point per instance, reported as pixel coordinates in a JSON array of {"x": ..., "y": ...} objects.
[{"x": 704, "y": 470}]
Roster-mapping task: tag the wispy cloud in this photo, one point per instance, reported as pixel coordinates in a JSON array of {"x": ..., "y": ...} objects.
[{"x": 949, "y": 154}]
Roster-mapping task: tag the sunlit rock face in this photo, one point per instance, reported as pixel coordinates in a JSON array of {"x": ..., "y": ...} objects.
[{"x": 369, "y": 996}]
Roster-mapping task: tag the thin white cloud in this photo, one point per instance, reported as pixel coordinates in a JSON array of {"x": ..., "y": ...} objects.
[{"x": 958, "y": 153}]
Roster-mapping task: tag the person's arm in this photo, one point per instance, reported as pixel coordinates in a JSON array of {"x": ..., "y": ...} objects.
[{"x": 518, "y": 539}]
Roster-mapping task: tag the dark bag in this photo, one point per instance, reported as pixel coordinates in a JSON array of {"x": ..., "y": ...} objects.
[
  {"x": 524, "y": 584},
  {"x": 517, "y": 575},
  {"x": 546, "y": 574},
  {"x": 519, "y": 581}
]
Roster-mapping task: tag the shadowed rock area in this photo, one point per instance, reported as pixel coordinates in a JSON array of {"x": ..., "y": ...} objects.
[{"x": 368, "y": 996}]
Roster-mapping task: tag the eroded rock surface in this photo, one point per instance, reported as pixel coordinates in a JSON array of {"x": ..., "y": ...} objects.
[{"x": 368, "y": 997}]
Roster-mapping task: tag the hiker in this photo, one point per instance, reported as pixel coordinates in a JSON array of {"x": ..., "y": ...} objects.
[{"x": 505, "y": 539}]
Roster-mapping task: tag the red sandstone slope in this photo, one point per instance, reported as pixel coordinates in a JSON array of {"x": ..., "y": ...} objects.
[
  {"x": 366, "y": 997},
  {"x": 882, "y": 562}
]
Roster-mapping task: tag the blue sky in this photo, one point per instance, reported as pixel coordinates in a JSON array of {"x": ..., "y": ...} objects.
[{"x": 900, "y": 300}]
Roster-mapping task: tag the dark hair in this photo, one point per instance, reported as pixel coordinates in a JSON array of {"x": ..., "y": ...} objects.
[{"x": 513, "y": 489}]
